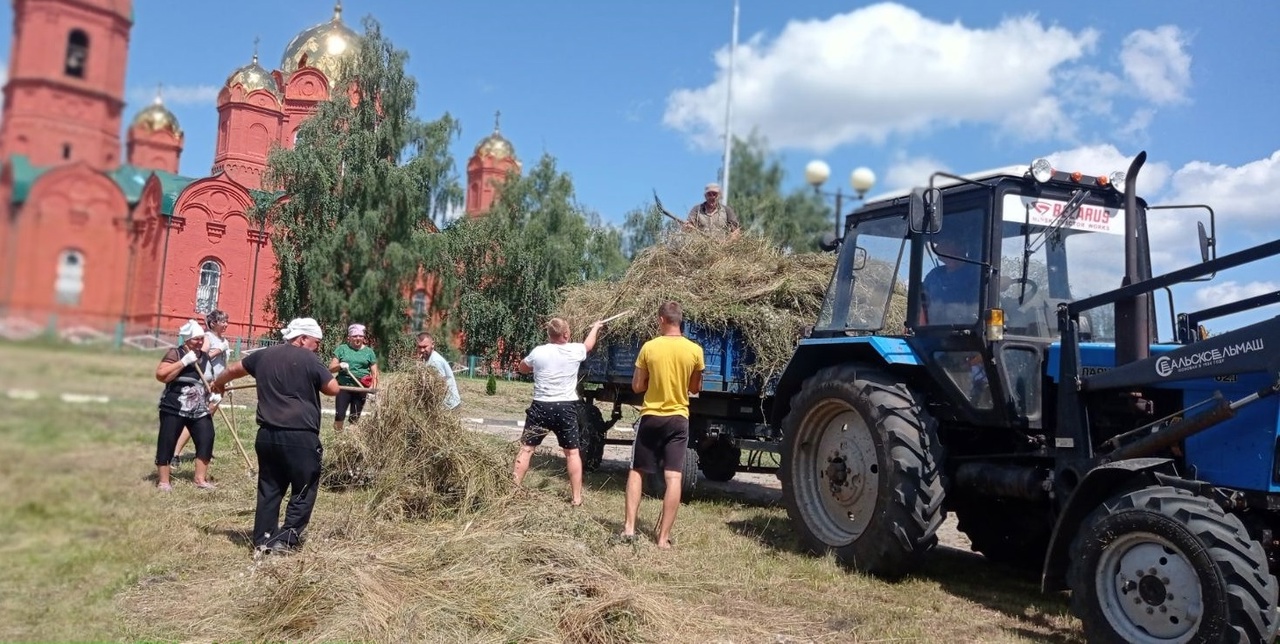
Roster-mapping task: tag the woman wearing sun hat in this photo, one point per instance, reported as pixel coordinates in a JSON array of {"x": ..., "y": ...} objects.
[
  {"x": 356, "y": 365},
  {"x": 184, "y": 404}
]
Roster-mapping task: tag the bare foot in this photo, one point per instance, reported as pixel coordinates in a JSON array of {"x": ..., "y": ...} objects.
[
  {"x": 576, "y": 503},
  {"x": 665, "y": 545}
]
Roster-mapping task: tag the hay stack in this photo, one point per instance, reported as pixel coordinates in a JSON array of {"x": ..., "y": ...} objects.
[
  {"x": 415, "y": 456},
  {"x": 747, "y": 283}
]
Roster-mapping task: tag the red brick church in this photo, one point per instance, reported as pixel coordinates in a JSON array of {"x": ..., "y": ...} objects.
[{"x": 106, "y": 234}]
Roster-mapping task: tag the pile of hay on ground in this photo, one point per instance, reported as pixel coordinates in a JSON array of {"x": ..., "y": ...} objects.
[
  {"x": 746, "y": 283},
  {"x": 415, "y": 456}
]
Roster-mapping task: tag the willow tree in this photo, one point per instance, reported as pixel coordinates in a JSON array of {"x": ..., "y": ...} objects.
[
  {"x": 508, "y": 266},
  {"x": 364, "y": 186}
]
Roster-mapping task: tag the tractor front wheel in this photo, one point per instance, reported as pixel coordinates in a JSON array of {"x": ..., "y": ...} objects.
[
  {"x": 1162, "y": 564},
  {"x": 860, "y": 470},
  {"x": 591, "y": 434}
]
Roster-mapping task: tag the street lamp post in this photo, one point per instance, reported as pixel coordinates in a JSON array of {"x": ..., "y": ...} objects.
[{"x": 817, "y": 172}]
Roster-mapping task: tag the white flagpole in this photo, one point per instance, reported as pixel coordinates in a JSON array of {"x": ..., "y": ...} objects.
[{"x": 728, "y": 110}]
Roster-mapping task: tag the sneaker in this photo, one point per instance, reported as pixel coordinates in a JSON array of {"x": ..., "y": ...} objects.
[
  {"x": 165, "y": 487},
  {"x": 206, "y": 485}
]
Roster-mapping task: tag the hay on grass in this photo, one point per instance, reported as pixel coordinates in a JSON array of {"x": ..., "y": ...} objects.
[
  {"x": 745, "y": 283},
  {"x": 415, "y": 456}
]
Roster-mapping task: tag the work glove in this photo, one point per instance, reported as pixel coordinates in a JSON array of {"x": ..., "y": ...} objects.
[
  {"x": 189, "y": 358},
  {"x": 214, "y": 399},
  {"x": 344, "y": 366}
]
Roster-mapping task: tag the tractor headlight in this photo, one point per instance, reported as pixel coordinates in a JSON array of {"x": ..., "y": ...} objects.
[
  {"x": 1117, "y": 180},
  {"x": 1041, "y": 170}
]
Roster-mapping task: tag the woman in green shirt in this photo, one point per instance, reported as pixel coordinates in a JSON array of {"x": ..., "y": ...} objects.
[{"x": 353, "y": 358}]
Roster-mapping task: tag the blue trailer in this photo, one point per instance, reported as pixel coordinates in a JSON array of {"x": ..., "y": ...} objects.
[{"x": 725, "y": 419}]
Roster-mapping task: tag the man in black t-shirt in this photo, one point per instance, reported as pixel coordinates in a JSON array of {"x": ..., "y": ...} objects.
[{"x": 290, "y": 379}]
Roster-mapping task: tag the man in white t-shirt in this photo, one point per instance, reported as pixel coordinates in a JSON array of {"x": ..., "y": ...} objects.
[{"x": 554, "y": 366}]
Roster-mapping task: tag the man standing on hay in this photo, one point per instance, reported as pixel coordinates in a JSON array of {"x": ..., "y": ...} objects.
[
  {"x": 290, "y": 379},
  {"x": 712, "y": 214},
  {"x": 668, "y": 369},
  {"x": 554, "y": 366}
]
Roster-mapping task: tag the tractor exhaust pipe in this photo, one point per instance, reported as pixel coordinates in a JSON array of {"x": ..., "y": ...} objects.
[{"x": 1133, "y": 315}]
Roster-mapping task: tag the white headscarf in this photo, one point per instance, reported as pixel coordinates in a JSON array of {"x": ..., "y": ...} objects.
[
  {"x": 302, "y": 326},
  {"x": 191, "y": 329}
]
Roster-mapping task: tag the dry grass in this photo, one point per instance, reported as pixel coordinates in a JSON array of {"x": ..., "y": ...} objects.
[
  {"x": 745, "y": 283},
  {"x": 115, "y": 560}
]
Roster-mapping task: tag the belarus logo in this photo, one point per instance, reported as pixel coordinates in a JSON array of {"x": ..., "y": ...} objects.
[{"x": 1042, "y": 207}]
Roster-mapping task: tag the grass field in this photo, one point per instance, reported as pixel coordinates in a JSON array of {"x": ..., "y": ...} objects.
[{"x": 92, "y": 551}]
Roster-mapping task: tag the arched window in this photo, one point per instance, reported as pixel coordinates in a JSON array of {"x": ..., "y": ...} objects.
[
  {"x": 419, "y": 309},
  {"x": 77, "y": 53},
  {"x": 207, "y": 291},
  {"x": 70, "y": 281}
]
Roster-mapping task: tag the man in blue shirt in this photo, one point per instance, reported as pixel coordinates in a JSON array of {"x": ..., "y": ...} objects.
[
  {"x": 427, "y": 352},
  {"x": 949, "y": 293}
]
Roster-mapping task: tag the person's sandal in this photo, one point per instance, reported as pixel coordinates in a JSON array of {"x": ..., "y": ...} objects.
[
  {"x": 205, "y": 485},
  {"x": 165, "y": 487}
]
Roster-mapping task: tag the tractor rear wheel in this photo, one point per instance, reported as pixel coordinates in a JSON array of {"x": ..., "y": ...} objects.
[
  {"x": 1162, "y": 564},
  {"x": 591, "y": 433},
  {"x": 860, "y": 470}
]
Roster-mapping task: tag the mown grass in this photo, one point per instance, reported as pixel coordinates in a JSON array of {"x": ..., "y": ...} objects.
[{"x": 93, "y": 552}]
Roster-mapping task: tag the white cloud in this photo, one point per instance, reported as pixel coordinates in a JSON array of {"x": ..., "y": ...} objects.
[
  {"x": 1157, "y": 64},
  {"x": 1232, "y": 291},
  {"x": 1249, "y": 193},
  {"x": 910, "y": 172},
  {"x": 877, "y": 71},
  {"x": 177, "y": 95}
]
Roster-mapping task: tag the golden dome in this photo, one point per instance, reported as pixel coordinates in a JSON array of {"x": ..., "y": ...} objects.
[
  {"x": 156, "y": 117},
  {"x": 495, "y": 145},
  {"x": 253, "y": 77},
  {"x": 326, "y": 46}
]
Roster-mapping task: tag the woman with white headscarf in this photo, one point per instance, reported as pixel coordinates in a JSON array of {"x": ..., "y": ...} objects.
[{"x": 184, "y": 404}]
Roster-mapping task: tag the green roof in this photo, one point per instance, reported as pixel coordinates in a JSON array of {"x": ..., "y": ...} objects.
[
  {"x": 24, "y": 175},
  {"x": 130, "y": 178}
]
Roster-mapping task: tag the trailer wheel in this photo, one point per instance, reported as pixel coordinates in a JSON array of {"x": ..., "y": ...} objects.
[
  {"x": 719, "y": 462},
  {"x": 591, "y": 433},
  {"x": 860, "y": 470},
  {"x": 1162, "y": 564},
  {"x": 655, "y": 485}
]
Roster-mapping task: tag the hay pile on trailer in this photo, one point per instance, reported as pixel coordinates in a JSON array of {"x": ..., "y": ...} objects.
[{"x": 745, "y": 283}]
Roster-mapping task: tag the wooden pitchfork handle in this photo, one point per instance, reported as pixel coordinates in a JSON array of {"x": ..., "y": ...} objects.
[{"x": 230, "y": 425}]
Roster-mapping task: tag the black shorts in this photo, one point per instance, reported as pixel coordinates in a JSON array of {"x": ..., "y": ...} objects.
[
  {"x": 171, "y": 426},
  {"x": 660, "y": 444},
  {"x": 558, "y": 417},
  {"x": 348, "y": 400}
]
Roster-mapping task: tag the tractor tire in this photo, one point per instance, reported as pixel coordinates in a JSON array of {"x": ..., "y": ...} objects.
[
  {"x": 655, "y": 485},
  {"x": 1162, "y": 564},
  {"x": 591, "y": 433},
  {"x": 1007, "y": 531},
  {"x": 719, "y": 462},
  {"x": 860, "y": 470}
]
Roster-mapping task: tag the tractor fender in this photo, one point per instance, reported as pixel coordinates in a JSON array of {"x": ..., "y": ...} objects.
[
  {"x": 815, "y": 354},
  {"x": 1099, "y": 484}
]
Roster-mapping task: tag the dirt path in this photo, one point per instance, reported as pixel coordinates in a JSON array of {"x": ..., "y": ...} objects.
[{"x": 763, "y": 488}]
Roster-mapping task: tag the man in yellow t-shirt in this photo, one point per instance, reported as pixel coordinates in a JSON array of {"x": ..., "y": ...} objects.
[{"x": 668, "y": 369}]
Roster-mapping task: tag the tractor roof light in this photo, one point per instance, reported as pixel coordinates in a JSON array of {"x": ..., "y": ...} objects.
[
  {"x": 1041, "y": 170},
  {"x": 1117, "y": 180}
]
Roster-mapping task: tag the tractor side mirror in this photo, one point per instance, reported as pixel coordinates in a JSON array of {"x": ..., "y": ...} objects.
[
  {"x": 1205, "y": 241},
  {"x": 924, "y": 211},
  {"x": 859, "y": 258},
  {"x": 828, "y": 242}
]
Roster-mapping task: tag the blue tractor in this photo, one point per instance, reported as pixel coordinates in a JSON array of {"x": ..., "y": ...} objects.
[{"x": 988, "y": 348}]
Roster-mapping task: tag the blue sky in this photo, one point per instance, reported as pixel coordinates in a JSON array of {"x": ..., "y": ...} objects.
[{"x": 629, "y": 97}]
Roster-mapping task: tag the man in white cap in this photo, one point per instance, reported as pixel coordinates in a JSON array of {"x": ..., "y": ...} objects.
[
  {"x": 712, "y": 214},
  {"x": 290, "y": 379}
]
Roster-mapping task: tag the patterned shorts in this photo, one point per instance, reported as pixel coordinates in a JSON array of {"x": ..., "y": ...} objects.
[{"x": 561, "y": 418}]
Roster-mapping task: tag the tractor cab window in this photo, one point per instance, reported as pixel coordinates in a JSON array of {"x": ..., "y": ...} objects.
[
  {"x": 950, "y": 292},
  {"x": 1046, "y": 260},
  {"x": 868, "y": 290}
]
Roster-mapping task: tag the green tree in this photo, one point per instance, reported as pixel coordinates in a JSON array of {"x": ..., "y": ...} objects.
[
  {"x": 794, "y": 220},
  {"x": 508, "y": 266},
  {"x": 644, "y": 227},
  {"x": 365, "y": 183}
]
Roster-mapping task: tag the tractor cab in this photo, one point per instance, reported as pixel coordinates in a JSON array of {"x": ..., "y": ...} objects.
[{"x": 974, "y": 286}]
